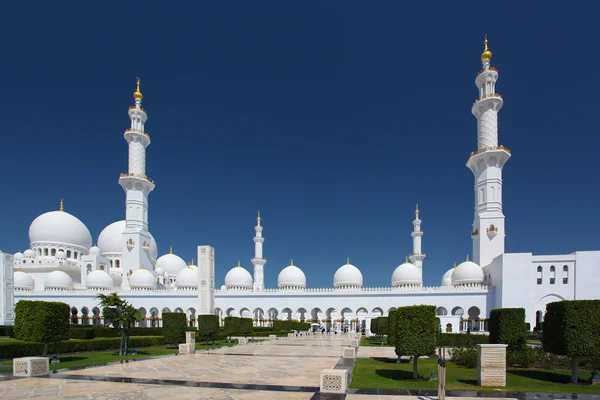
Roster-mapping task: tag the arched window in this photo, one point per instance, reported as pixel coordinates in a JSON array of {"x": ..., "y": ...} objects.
[
  {"x": 69, "y": 253},
  {"x": 46, "y": 251},
  {"x": 39, "y": 252},
  {"x": 565, "y": 274},
  {"x": 552, "y": 274},
  {"x": 75, "y": 255},
  {"x": 448, "y": 328},
  {"x": 441, "y": 311},
  {"x": 53, "y": 252},
  {"x": 118, "y": 263},
  {"x": 539, "y": 275}
]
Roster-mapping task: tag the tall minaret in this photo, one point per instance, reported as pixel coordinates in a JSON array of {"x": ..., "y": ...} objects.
[
  {"x": 486, "y": 164},
  {"x": 416, "y": 258},
  {"x": 258, "y": 261},
  {"x": 137, "y": 186}
]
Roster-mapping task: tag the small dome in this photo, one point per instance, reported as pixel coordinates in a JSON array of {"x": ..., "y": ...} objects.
[
  {"x": 187, "y": 278},
  {"x": 223, "y": 287},
  {"x": 111, "y": 240},
  {"x": 17, "y": 256},
  {"x": 99, "y": 279},
  {"x": 60, "y": 254},
  {"x": 95, "y": 250},
  {"x": 159, "y": 270},
  {"x": 347, "y": 275},
  {"x": 142, "y": 279},
  {"x": 23, "y": 281},
  {"x": 487, "y": 54},
  {"x": 60, "y": 227},
  {"x": 58, "y": 280},
  {"x": 467, "y": 272},
  {"x": 171, "y": 264},
  {"x": 407, "y": 274},
  {"x": 291, "y": 276},
  {"x": 29, "y": 253},
  {"x": 447, "y": 278},
  {"x": 238, "y": 278}
]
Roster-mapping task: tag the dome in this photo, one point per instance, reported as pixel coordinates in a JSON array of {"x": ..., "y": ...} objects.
[
  {"x": 347, "y": 275},
  {"x": 60, "y": 227},
  {"x": 238, "y": 277},
  {"x": 447, "y": 278},
  {"x": 487, "y": 54},
  {"x": 60, "y": 254},
  {"x": 95, "y": 250},
  {"x": 467, "y": 272},
  {"x": 18, "y": 255},
  {"x": 187, "y": 278},
  {"x": 142, "y": 279},
  {"x": 223, "y": 287},
  {"x": 99, "y": 279},
  {"x": 29, "y": 253},
  {"x": 407, "y": 274},
  {"x": 23, "y": 281},
  {"x": 159, "y": 271},
  {"x": 291, "y": 276},
  {"x": 110, "y": 240},
  {"x": 58, "y": 280},
  {"x": 171, "y": 264}
]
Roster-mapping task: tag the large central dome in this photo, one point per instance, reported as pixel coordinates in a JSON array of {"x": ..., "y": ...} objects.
[{"x": 60, "y": 227}]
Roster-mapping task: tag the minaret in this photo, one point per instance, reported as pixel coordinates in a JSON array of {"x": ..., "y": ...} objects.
[
  {"x": 416, "y": 258},
  {"x": 258, "y": 261},
  {"x": 137, "y": 186},
  {"x": 486, "y": 164}
]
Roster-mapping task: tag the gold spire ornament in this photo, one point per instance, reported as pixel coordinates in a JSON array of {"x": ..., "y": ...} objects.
[
  {"x": 258, "y": 218},
  {"x": 417, "y": 210},
  {"x": 61, "y": 208},
  {"x": 292, "y": 261},
  {"x": 487, "y": 54},
  {"x": 406, "y": 260},
  {"x": 347, "y": 260},
  {"x": 239, "y": 265},
  {"x": 467, "y": 257},
  {"x": 454, "y": 264},
  {"x": 137, "y": 94},
  {"x": 171, "y": 250}
]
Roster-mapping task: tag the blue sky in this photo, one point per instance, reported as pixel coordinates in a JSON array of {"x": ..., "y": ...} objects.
[{"x": 332, "y": 118}]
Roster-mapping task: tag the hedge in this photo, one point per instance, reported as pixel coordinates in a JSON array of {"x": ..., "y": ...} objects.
[
  {"x": 507, "y": 326},
  {"x": 391, "y": 338},
  {"x": 76, "y": 332},
  {"x": 42, "y": 321},
  {"x": 174, "y": 327},
  {"x": 461, "y": 340},
  {"x": 208, "y": 327},
  {"x": 416, "y": 332},
  {"x": 26, "y": 349},
  {"x": 7, "y": 330},
  {"x": 246, "y": 327},
  {"x": 287, "y": 325},
  {"x": 232, "y": 326}
]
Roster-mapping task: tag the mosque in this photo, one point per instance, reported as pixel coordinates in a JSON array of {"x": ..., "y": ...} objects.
[{"x": 61, "y": 263}]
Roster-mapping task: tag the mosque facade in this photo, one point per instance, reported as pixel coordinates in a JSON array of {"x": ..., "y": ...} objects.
[{"x": 62, "y": 265}]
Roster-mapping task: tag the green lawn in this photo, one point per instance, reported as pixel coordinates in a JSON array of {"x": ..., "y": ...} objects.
[
  {"x": 373, "y": 341},
  {"x": 218, "y": 344},
  {"x": 6, "y": 339},
  {"x": 383, "y": 373}
]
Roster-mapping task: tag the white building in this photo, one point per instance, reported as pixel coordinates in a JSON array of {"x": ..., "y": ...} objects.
[{"x": 62, "y": 265}]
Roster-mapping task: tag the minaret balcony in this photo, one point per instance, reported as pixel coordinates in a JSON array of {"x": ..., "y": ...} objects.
[
  {"x": 129, "y": 130},
  {"x": 144, "y": 177},
  {"x": 491, "y": 148},
  {"x": 138, "y": 108},
  {"x": 486, "y": 70},
  {"x": 487, "y": 96}
]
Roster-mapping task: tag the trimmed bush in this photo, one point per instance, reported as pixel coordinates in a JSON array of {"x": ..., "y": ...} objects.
[
  {"x": 507, "y": 325},
  {"x": 572, "y": 329},
  {"x": 88, "y": 333},
  {"x": 465, "y": 356},
  {"x": 461, "y": 340},
  {"x": 7, "y": 330},
  {"x": 42, "y": 321},
  {"x": 174, "y": 326},
  {"x": 391, "y": 339},
  {"x": 416, "y": 333},
  {"x": 232, "y": 326},
  {"x": 208, "y": 327},
  {"x": 246, "y": 327}
]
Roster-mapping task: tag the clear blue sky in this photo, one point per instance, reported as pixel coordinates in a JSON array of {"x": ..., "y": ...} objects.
[{"x": 332, "y": 118}]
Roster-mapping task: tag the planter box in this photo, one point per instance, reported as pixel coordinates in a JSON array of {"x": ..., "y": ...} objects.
[
  {"x": 334, "y": 381},
  {"x": 349, "y": 352},
  {"x": 186, "y": 348},
  {"x": 31, "y": 366},
  {"x": 272, "y": 337}
]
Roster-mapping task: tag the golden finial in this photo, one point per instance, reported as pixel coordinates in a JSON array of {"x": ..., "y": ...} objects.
[
  {"x": 239, "y": 264},
  {"x": 292, "y": 261},
  {"x": 348, "y": 260},
  {"x": 406, "y": 261},
  {"x": 454, "y": 264},
  {"x": 58, "y": 267},
  {"x": 142, "y": 266},
  {"x": 417, "y": 210},
  {"x": 467, "y": 257},
  {"x": 137, "y": 94},
  {"x": 258, "y": 218},
  {"x": 171, "y": 250},
  {"x": 487, "y": 54},
  {"x": 193, "y": 262},
  {"x": 62, "y": 208}
]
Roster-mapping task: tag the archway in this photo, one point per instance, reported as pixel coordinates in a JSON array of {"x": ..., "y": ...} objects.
[
  {"x": 219, "y": 313},
  {"x": 301, "y": 314},
  {"x": 376, "y": 312},
  {"x": 245, "y": 313},
  {"x": 286, "y": 314},
  {"x": 441, "y": 311},
  {"x": 191, "y": 316},
  {"x": 142, "y": 323},
  {"x": 85, "y": 316},
  {"x": 272, "y": 315},
  {"x": 230, "y": 312},
  {"x": 74, "y": 312},
  {"x": 474, "y": 321},
  {"x": 95, "y": 316},
  {"x": 259, "y": 317},
  {"x": 448, "y": 328}
]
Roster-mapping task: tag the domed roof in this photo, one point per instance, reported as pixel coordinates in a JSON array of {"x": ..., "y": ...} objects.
[
  {"x": 223, "y": 287},
  {"x": 447, "y": 278},
  {"x": 159, "y": 271},
  {"x": 95, "y": 250},
  {"x": 23, "y": 281},
  {"x": 142, "y": 279},
  {"x": 407, "y": 274},
  {"x": 17, "y": 255},
  {"x": 58, "y": 280},
  {"x": 238, "y": 277},
  {"x": 29, "y": 253},
  {"x": 60, "y": 227},
  {"x": 99, "y": 279},
  {"x": 291, "y": 276},
  {"x": 110, "y": 240},
  {"x": 347, "y": 275},
  {"x": 171, "y": 264},
  {"x": 186, "y": 278},
  {"x": 467, "y": 272},
  {"x": 60, "y": 254}
]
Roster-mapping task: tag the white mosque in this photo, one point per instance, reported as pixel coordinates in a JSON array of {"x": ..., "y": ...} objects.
[{"x": 62, "y": 265}]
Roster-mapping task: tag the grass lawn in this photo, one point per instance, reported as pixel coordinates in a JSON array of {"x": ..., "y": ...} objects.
[
  {"x": 384, "y": 373},
  {"x": 6, "y": 339},
  {"x": 218, "y": 344},
  {"x": 373, "y": 341}
]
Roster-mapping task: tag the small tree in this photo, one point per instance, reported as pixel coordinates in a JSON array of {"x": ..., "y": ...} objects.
[
  {"x": 374, "y": 326},
  {"x": 391, "y": 339},
  {"x": 121, "y": 315},
  {"x": 572, "y": 329},
  {"x": 174, "y": 326},
  {"x": 507, "y": 325},
  {"x": 382, "y": 327},
  {"x": 416, "y": 333},
  {"x": 208, "y": 327},
  {"x": 41, "y": 321},
  {"x": 246, "y": 326},
  {"x": 232, "y": 326}
]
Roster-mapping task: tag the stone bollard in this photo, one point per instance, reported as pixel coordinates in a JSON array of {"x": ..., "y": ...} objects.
[
  {"x": 272, "y": 337},
  {"x": 186, "y": 348},
  {"x": 334, "y": 381},
  {"x": 190, "y": 338},
  {"x": 290, "y": 335},
  {"x": 354, "y": 343},
  {"x": 349, "y": 352},
  {"x": 31, "y": 366},
  {"x": 242, "y": 340},
  {"x": 491, "y": 365}
]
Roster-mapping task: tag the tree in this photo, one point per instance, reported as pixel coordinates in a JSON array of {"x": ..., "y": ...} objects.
[
  {"x": 572, "y": 329},
  {"x": 174, "y": 326},
  {"x": 232, "y": 326},
  {"x": 507, "y": 325},
  {"x": 121, "y": 315},
  {"x": 41, "y": 321},
  {"x": 416, "y": 333},
  {"x": 208, "y": 327},
  {"x": 246, "y": 326},
  {"x": 391, "y": 339}
]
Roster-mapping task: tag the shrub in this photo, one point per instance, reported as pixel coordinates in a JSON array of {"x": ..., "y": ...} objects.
[
  {"x": 507, "y": 325},
  {"x": 572, "y": 329},
  {"x": 416, "y": 332},
  {"x": 174, "y": 326},
  {"x": 392, "y": 332},
  {"x": 42, "y": 321},
  {"x": 461, "y": 340},
  {"x": 232, "y": 326},
  {"x": 465, "y": 356},
  {"x": 246, "y": 327},
  {"x": 523, "y": 358},
  {"x": 208, "y": 327},
  {"x": 87, "y": 333},
  {"x": 277, "y": 325},
  {"x": 7, "y": 330}
]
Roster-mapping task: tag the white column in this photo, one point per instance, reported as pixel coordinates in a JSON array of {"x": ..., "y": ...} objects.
[
  {"x": 7, "y": 289},
  {"x": 206, "y": 280}
]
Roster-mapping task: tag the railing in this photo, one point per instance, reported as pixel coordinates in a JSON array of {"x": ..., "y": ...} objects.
[
  {"x": 485, "y": 70},
  {"x": 487, "y": 96},
  {"x": 137, "y": 131},
  {"x": 136, "y": 108},
  {"x": 137, "y": 176},
  {"x": 474, "y": 153}
]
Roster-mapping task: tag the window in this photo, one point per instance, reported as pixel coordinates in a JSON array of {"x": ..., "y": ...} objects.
[
  {"x": 565, "y": 274},
  {"x": 552, "y": 274},
  {"x": 53, "y": 252},
  {"x": 539, "y": 275},
  {"x": 68, "y": 253}
]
